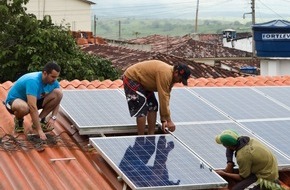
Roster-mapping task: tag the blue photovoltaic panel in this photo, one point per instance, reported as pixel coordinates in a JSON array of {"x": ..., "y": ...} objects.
[
  {"x": 278, "y": 93},
  {"x": 201, "y": 139},
  {"x": 242, "y": 103},
  {"x": 186, "y": 107},
  {"x": 95, "y": 111},
  {"x": 277, "y": 133},
  {"x": 156, "y": 162}
]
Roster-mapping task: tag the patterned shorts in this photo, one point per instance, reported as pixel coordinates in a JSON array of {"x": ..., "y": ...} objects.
[{"x": 140, "y": 101}]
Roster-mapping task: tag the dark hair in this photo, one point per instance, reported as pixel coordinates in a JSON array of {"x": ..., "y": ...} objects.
[{"x": 50, "y": 66}]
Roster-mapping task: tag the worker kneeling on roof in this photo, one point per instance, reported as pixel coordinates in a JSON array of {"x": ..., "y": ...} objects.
[{"x": 254, "y": 159}]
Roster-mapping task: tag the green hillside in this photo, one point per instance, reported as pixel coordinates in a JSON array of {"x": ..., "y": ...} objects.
[{"x": 131, "y": 28}]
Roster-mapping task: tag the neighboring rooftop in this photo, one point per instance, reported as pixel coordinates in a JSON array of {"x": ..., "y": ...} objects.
[
  {"x": 188, "y": 47},
  {"x": 175, "y": 50},
  {"x": 123, "y": 57}
]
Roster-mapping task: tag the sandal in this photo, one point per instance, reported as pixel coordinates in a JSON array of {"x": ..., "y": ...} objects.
[
  {"x": 44, "y": 127},
  {"x": 18, "y": 125}
]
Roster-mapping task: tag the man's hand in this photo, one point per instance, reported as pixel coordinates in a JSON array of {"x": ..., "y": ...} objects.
[
  {"x": 169, "y": 125},
  {"x": 230, "y": 167},
  {"x": 42, "y": 135},
  {"x": 221, "y": 173},
  {"x": 50, "y": 123},
  {"x": 233, "y": 176}
]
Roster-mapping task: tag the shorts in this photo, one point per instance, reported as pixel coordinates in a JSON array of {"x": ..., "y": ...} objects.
[
  {"x": 9, "y": 105},
  {"x": 140, "y": 101}
]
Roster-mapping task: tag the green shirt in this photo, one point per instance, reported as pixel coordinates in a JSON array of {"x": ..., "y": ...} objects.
[{"x": 257, "y": 159}]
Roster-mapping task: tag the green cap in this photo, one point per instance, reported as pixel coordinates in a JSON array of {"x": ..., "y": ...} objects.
[{"x": 227, "y": 138}]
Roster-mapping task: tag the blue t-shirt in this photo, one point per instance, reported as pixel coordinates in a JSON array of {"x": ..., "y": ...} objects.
[{"x": 30, "y": 84}]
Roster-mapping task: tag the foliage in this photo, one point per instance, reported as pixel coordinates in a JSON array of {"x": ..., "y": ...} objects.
[
  {"x": 26, "y": 44},
  {"x": 269, "y": 185}
]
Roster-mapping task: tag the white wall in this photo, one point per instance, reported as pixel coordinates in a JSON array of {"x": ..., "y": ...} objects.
[
  {"x": 275, "y": 67},
  {"x": 244, "y": 44},
  {"x": 76, "y": 13}
]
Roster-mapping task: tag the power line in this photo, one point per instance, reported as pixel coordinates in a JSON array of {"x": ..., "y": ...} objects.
[{"x": 269, "y": 8}]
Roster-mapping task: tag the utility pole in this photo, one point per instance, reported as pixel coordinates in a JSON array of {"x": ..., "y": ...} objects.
[
  {"x": 253, "y": 23},
  {"x": 95, "y": 28},
  {"x": 196, "y": 16},
  {"x": 119, "y": 29},
  {"x": 253, "y": 12},
  {"x": 95, "y": 25},
  {"x": 43, "y": 11}
]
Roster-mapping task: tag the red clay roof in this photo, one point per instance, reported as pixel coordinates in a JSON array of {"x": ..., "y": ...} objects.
[
  {"x": 67, "y": 162},
  {"x": 188, "y": 47},
  {"x": 175, "y": 50}
]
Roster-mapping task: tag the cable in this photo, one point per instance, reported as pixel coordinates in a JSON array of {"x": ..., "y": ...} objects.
[
  {"x": 24, "y": 142},
  {"x": 271, "y": 9}
]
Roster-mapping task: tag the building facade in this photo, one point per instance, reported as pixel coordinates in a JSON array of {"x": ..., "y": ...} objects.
[{"x": 77, "y": 14}]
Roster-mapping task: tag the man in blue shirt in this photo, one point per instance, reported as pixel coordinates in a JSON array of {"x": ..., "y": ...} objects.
[{"x": 34, "y": 91}]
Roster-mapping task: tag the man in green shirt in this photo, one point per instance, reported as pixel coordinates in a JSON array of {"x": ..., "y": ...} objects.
[{"x": 254, "y": 159}]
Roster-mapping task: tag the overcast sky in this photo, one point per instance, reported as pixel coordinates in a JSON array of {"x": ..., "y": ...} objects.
[{"x": 277, "y": 9}]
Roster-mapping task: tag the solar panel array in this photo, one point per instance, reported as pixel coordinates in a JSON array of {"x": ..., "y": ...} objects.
[
  {"x": 280, "y": 94},
  {"x": 199, "y": 114},
  {"x": 156, "y": 162},
  {"x": 97, "y": 111},
  {"x": 187, "y": 108},
  {"x": 242, "y": 103},
  {"x": 276, "y": 133},
  {"x": 200, "y": 138},
  {"x": 263, "y": 106}
]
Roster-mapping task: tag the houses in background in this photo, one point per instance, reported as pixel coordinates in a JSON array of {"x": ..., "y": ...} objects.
[
  {"x": 208, "y": 58},
  {"x": 231, "y": 50}
]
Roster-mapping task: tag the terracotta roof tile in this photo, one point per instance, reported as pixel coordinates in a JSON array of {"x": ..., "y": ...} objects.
[
  {"x": 85, "y": 82},
  {"x": 108, "y": 83},
  {"x": 90, "y": 86},
  {"x": 64, "y": 83},
  {"x": 287, "y": 81},
  {"x": 191, "y": 82},
  {"x": 96, "y": 83},
  {"x": 119, "y": 83},
  {"x": 76, "y": 83}
]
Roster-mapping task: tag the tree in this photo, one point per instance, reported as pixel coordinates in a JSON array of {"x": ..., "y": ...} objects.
[
  {"x": 26, "y": 44},
  {"x": 136, "y": 34}
]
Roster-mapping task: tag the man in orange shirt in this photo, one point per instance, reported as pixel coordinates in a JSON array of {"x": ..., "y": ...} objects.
[{"x": 141, "y": 80}]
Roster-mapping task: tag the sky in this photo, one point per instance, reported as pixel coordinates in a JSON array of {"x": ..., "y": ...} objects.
[{"x": 186, "y": 9}]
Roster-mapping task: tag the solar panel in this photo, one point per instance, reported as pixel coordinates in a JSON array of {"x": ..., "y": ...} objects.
[
  {"x": 276, "y": 133},
  {"x": 280, "y": 94},
  {"x": 156, "y": 162},
  {"x": 97, "y": 111},
  {"x": 186, "y": 107},
  {"x": 201, "y": 139},
  {"x": 242, "y": 103}
]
